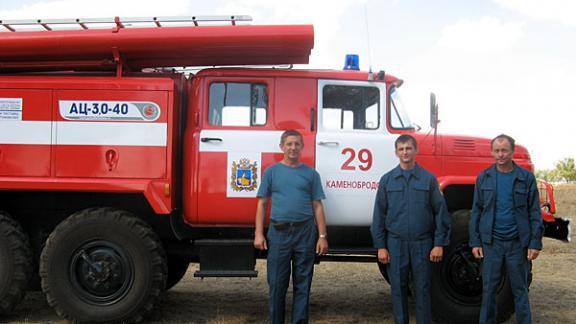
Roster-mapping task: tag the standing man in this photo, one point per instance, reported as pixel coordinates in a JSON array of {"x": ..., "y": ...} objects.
[
  {"x": 410, "y": 228},
  {"x": 297, "y": 228},
  {"x": 505, "y": 229}
]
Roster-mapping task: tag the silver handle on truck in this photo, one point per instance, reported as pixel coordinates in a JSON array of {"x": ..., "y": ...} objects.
[
  {"x": 328, "y": 143},
  {"x": 210, "y": 139}
]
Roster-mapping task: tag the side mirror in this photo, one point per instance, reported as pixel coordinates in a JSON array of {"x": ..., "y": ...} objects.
[{"x": 433, "y": 111}]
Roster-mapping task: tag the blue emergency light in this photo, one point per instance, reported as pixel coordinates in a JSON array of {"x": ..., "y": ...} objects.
[{"x": 352, "y": 62}]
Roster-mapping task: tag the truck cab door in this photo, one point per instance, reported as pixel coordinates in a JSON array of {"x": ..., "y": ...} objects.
[
  {"x": 353, "y": 148},
  {"x": 236, "y": 140}
]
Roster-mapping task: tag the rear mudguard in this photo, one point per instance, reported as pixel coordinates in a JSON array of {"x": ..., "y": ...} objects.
[
  {"x": 558, "y": 229},
  {"x": 554, "y": 227}
]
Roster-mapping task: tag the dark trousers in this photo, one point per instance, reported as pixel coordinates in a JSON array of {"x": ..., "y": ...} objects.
[
  {"x": 513, "y": 257},
  {"x": 405, "y": 257},
  {"x": 291, "y": 249}
]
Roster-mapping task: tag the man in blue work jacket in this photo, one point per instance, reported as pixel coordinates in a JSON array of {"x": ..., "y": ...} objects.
[
  {"x": 297, "y": 228},
  {"x": 410, "y": 228},
  {"x": 505, "y": 229}
]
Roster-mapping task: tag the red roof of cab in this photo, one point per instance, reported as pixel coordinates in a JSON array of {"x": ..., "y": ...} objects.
[{"x": 351, "y": 75}]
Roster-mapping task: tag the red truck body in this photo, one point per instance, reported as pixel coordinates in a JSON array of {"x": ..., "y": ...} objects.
[{"x": 102, "y": 155}]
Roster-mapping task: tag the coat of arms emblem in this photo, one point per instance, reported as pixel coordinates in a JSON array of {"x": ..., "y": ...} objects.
[{"x": 244, "y": 175}]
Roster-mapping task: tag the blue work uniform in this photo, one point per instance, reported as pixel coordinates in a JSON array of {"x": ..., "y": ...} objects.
[
  {"x": 410, "y": 218},
  {"x": 505, "y": 242},
  {"x": 292, "y": 236}
]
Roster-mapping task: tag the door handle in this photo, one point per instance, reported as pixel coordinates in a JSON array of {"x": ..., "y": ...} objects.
[
  {"x": 210, "y": 139},
  {"x": 112, "y": 157},
  {"x": 335, "y": 143}
]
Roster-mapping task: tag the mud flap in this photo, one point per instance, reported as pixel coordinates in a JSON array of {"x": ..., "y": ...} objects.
[{"x": 559, "y": 229}]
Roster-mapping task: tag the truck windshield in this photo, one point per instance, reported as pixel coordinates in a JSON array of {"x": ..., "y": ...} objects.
[{"x": 398, "y": 116}]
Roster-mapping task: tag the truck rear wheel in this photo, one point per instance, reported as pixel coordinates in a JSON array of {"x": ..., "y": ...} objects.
[
  {"x": 15, "y": 263},
  {"x": 103, "y": 265},
  {"x": 457, "y": 281},
  {"x": 177, "y": 267}
]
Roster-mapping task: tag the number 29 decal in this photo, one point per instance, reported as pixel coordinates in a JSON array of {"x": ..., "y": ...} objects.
[{"x": 364, "y": 159}]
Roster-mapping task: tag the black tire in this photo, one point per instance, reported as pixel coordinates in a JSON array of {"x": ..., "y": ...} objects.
[
  {"x": 457, "y": 280},
  {"x": 177, "y": 267},
  {"x": 103, "y": 265},
  {"x": 15, "y": 263}
]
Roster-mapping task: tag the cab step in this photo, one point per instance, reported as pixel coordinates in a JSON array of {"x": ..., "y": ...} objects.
[{"x": 226, "y": 258}]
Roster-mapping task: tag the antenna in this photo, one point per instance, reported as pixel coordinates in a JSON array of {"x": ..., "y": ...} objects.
[{"x": 368, "y": 41}]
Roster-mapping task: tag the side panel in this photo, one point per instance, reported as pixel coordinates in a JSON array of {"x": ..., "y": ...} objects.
[
  {"x": 111, "y": 134},
  {"x": 25, "y": 132},
  {"x": 53, "y": 139}
]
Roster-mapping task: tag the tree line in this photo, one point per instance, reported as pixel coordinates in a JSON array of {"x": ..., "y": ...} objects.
[{"x": 564, "y": 171}]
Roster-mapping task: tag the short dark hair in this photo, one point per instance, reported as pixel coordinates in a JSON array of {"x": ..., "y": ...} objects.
[
  {"x": 404, "y": 138},
  {"x": 506, "y": 137},
  {"x": 290, "y": 132}
]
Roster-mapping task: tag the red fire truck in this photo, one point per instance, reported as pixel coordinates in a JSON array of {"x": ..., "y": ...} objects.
[{"x": 117, "y": 171}]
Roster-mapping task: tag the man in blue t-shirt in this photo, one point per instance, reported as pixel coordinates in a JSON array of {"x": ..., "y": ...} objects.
[
  {"x": 505, "y": 229},
  {"x": 297, "y": 228}
]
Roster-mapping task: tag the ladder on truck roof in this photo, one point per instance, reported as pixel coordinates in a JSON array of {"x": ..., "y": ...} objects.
[
  {"x": 133, "y": 44},
  {"x": 118, "y": 22}
]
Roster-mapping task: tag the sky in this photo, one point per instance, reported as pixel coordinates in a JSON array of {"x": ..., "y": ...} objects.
[{"x": 496, "y": 66}]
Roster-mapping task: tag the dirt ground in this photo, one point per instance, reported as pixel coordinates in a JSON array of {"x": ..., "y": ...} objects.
[{"x": 341, "y": 292}]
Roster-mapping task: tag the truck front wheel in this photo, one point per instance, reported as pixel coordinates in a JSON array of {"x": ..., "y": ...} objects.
[
  {"x": 15, "y": 263},
  {"x": 103, "y": 265},
  {"x": 457, "y": 281}
]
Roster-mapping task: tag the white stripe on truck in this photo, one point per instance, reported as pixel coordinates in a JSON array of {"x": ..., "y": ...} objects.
[
  {"x": 25, "y": 132},
  {"x": 83, "y": 133}
]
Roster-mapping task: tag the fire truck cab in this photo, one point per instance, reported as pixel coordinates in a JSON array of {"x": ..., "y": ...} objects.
[
  {"x": 116, "y": 173},
  {"x": 348, "y": 136}
]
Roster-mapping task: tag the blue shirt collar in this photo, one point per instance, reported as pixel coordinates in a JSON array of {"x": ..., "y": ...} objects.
[
  {"x": 397, "y": 171},
  {"x": 515, "y": 170}
]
